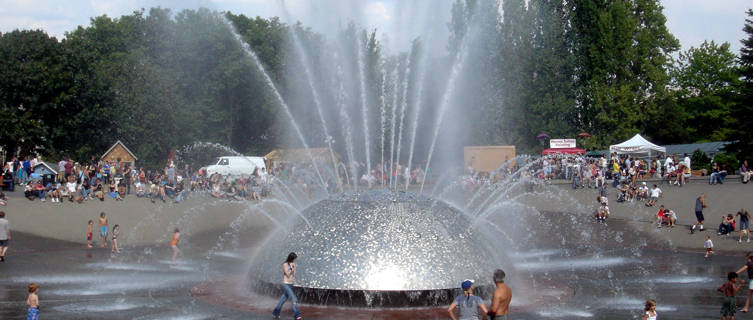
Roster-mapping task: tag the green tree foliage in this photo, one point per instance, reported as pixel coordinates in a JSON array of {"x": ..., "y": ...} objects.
[
  {"x": 622, "y": 49},
  {"x": 742, "y": 113},
  {"x": 156, "y": 81},
  {"x": 706, "y": 79}
]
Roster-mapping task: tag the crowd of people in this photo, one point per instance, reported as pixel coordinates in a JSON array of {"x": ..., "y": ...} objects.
[{"x": 115, "y": 180}]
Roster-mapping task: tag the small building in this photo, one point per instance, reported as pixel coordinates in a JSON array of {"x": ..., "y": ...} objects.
[
  {"x": 487, "y": 158},
  {"x": 119, "y": 152},
  {"x": 709, "y": 148},
  {"x": 45, "y": 171}
]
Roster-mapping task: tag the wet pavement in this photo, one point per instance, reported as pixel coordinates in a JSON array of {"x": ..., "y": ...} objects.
[{"x": 607, "y": 278}]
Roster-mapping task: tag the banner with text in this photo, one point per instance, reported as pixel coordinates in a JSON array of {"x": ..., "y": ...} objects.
[{"x": 561, "y": 143}]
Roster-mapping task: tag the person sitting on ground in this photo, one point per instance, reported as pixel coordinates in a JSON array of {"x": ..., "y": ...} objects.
[
  {"x": 71, "y": 186},
  {"x": 722, "y": 173},
  {"x": 680, "y": 174},
  {"x": 154, "y": 191},
  {"x": 671, "y": 217},
  {"x": 714, "y": 173},
  {"x": 622, "y": 189},
  {"x": 180, "y": 191},
  {"x": 29, "y": 191},
  {"x": 655, "y": 195},
  {"x": 686, "y": 174},
  {"x": 642, "y": 192},
  {"x": 86, "y": 189},
  {"x": 217, "y": 191},
  {"x": 671, "y": 173},
  {"x": 602, "y": 213},
  {"x": 40, "y": 190},
  {"x": 121, "y": 190},
  {"x": 99, "y": 190},
  {"x": 727, "y": 225},
  {"x": 62, "y": 192},
  {"x": 660, "y": 218},
  {"x": 140, "y": 190},
  {"x": 52, "y": 191}
]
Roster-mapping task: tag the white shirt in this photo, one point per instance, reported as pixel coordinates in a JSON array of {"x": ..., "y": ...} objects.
[
  {"x": 687, "y": 162},
  {"x": 655, "y": 192},
  {"x": 71, "y": 187},
  {"x": 708, "y": 244}
]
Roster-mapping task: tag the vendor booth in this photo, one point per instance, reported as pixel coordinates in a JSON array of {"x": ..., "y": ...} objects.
[{"x": 637, "y": 146}]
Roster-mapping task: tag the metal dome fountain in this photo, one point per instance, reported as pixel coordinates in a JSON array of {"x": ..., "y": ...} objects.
[{"x": 379, "y": 248}]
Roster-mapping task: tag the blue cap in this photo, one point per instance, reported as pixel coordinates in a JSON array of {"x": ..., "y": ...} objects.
[{"x": 466, "y": 284}]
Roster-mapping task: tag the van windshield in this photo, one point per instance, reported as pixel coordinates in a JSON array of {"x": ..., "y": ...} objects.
[{"x": 222, "y": 162}]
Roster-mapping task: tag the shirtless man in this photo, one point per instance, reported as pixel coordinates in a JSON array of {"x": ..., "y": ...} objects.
[{"x": 501, "y": 300}]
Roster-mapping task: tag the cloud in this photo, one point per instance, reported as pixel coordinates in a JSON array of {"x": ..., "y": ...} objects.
[
  {"x": 377, "y": 10},
  {"x": 695, "y": 21}
]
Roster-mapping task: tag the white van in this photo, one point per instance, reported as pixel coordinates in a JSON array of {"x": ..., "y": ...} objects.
[{"x": 236, "y": 166}]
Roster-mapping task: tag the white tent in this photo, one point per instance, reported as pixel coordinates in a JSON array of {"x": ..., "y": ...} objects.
[{"x": 637, "y": 145}]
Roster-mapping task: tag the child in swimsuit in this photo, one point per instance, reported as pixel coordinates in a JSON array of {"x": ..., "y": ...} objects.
[
  {"x": 103, "y": 229},
  {"x": 174, "y": 243},
  {"x": 33, "y": 302},
  {"x": 89, "y": 234},
  {"x": 115, "y": 230}
]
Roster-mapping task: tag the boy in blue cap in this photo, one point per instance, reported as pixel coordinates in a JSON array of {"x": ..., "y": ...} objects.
[{"x": 467, "y": 303}]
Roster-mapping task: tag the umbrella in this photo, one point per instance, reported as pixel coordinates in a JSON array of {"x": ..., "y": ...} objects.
[
  {"x": 584, "y": 135},
  {"x": 542, "y": 136}
]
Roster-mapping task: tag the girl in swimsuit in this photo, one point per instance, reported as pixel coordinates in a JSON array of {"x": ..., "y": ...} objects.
[
  {"x": 174, "y": 243},
  {"x": 115, "y": 230},
  {"x": 33, "y": 302},
  {"x": 103, "y": 229},
  {"x": 89, "y": 234}
]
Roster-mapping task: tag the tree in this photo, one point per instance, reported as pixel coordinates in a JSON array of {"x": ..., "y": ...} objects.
[
  {"x": 742, "y": 112},
  {"x": 706, "y": 79}
]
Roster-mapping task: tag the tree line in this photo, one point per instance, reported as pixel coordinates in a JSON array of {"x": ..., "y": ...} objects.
[{"x": 162, "y": 80}]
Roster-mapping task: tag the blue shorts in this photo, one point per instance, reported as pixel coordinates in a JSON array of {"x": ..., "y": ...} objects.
[
  {"x": 103, "y": 231},
  {"x": 744, "y": 224}
]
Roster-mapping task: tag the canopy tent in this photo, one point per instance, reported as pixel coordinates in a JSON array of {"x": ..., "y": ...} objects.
[
  {"x": 637, "y": 145},
  {"x": 563, "y": 151}
]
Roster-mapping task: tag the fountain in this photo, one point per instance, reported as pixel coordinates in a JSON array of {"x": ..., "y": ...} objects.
[
  {"x": 392, "y": 248},
  {"x": 387, "y": 249}
]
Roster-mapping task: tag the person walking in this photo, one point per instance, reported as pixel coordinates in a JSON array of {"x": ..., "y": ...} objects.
[
  {"x": 4, "y": 235},
  {"x": 500, "y": 305},
  {"x": 467, "y": 304},
  {"x": 700, "y": 203},
  {"x": 709, "y": 245},
  {"x": 289, "y": 272},
  {"x": 748, "y": 267},
  {"x": 744, "y": 224}
]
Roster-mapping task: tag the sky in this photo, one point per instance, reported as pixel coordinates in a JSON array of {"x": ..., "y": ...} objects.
[{"x": 691, "y": 21}]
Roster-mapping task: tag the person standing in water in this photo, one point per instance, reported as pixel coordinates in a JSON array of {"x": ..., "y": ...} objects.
[
  {"x": 467, "y": 304},
  {"x": 103, "y": 229},
  {"x": 33, "y": 301},
  {"x": 174, "y": 243},
  {"x": 748, "y": 267},
  {"x": 289, "y": 271},
  {"x": 115, "y": 232},
  {"x": 501, "y": 299}
]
